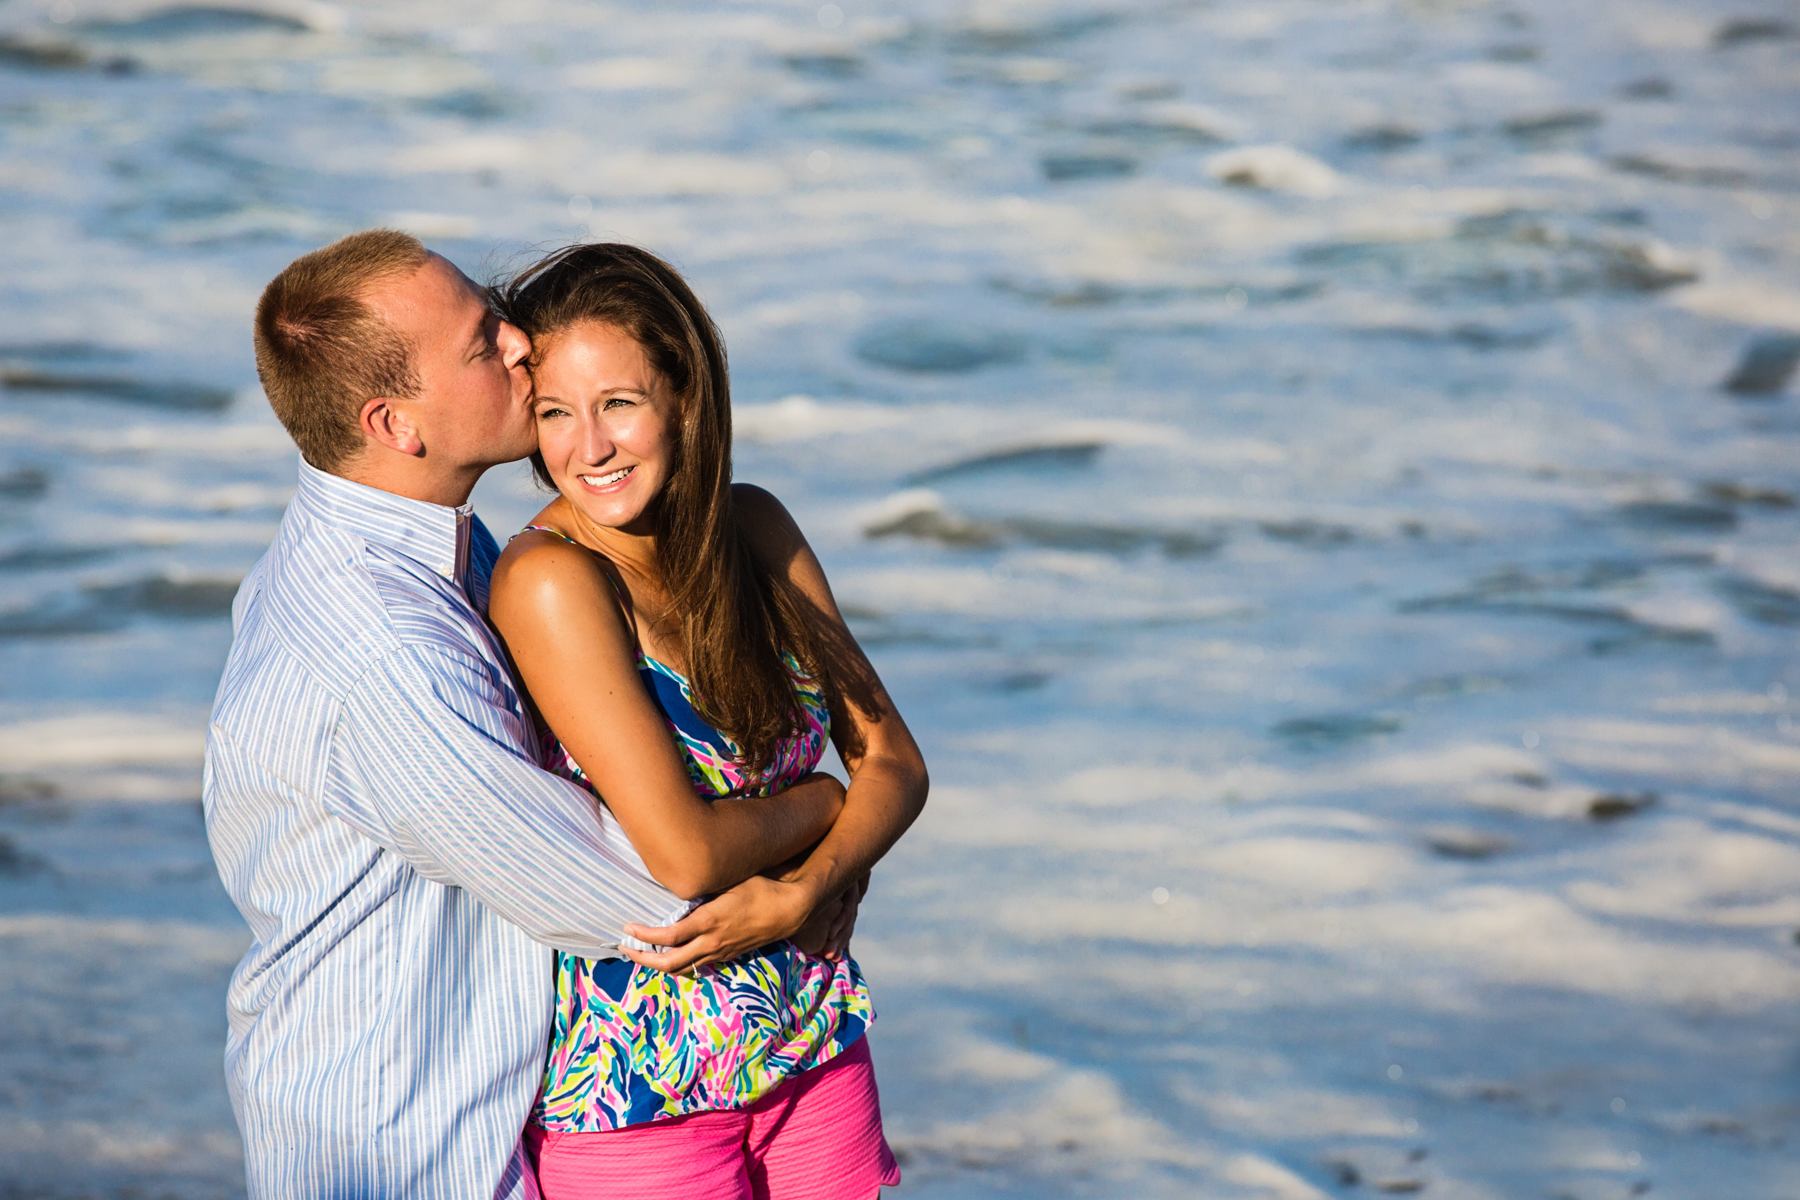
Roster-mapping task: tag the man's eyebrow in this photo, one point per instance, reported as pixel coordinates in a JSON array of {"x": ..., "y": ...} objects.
[{"x": 481, "y": 326}]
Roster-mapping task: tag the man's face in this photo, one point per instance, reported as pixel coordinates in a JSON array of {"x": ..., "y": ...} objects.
[{"x": 474, "y": 404}]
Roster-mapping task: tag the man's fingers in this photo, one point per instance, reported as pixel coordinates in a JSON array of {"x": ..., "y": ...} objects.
[
  {"x": 839, "y": 943},
  {"x": 837, "y": 939},
  {"x": 846, "y": 917},
  {"x": 844, "y": 920}
]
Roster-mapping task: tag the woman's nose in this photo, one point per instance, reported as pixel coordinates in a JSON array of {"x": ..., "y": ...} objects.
[{"x": 596, "y": 445}]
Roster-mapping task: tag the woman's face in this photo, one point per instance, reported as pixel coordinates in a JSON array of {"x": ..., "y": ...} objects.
[{"x": 604, "y": 421}]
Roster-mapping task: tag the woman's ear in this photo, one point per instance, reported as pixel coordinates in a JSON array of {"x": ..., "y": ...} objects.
[{"x": 386, "y": 425}]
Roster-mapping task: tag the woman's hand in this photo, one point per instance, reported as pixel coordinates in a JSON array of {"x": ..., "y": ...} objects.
[{"x": 747, "y": 917}]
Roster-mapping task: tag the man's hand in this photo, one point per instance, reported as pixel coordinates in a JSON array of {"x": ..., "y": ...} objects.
[
  {"x": 748, "y": 917},
  {"x": 828, "y": 933}
]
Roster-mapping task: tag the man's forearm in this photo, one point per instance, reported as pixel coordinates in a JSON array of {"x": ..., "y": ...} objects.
[{"x": 428, "y": 766}]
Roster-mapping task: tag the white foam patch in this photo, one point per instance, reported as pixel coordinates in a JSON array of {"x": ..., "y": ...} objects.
[
  {"x": 1714, "y": 703},
  {"x": 1312, "y": 865},
  {"x": 1670, "y": 26},
  {"x": 412, "y": 78},
  {"x": 964, "y": 817},
  {"x": 1677, "y": 752},
  {"x": 104, "y": 739},
  {"x": 39, "y": 178},
  {"x": 1516, "y": 937},
  {"x": 218, "y": 530},
  {"x": 1278, "y": 168},
  {"x": 1268, "y": 1178},
  {"x": 1686, "y": 870},
  {"x": 795, "y": 418},
  {"x": 1460, "y": 763},
  {"x": 1078, "y": 1119},
  {"x": 1732, "y": 296},
  {"x": 630, "y": 74},
  {"x": 648, "y": 174},
  {"x": 1309, "y": 1112},
  {"x": 429, "y": 226},
  {"x": 490, "y": 151}
]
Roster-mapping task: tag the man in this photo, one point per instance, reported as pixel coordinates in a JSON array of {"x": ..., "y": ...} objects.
[{"x": 372, "y": 791}]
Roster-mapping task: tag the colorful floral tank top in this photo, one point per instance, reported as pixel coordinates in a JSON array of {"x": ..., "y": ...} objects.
[{"x": 630, "y": 1044}]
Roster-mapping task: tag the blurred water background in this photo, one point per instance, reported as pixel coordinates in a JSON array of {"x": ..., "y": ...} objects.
[{"x": 1318, "y": 475}]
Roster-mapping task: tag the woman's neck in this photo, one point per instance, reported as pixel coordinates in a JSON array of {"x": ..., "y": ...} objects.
[{"x": 632, "y": 551}]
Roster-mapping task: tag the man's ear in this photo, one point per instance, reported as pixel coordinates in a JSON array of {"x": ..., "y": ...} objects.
[{"x": 386, "y": 425}]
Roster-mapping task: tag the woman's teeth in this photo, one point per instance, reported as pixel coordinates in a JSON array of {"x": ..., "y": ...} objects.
[{"x": 605, "y": 480}]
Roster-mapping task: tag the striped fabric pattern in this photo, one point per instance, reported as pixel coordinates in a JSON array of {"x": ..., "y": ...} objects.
[{"x": 378, "y": 813}]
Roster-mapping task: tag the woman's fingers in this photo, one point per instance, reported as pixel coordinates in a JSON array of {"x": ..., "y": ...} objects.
[
  {"x": 678, "y": 961},
  {"x": 744, "y": 918},
  {"x": 679, "y": 934}
]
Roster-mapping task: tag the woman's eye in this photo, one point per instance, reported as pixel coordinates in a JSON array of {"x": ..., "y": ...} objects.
[
  {"x": 546, "y": 413},
  {"x": 617, "y": 400}
]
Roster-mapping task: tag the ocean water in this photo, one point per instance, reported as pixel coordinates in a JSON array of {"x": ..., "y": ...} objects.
[{"x": 1319, "y": 477}]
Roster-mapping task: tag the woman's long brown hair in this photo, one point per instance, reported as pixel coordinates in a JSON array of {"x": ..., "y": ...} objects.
[{"x": 733, "y": 615}]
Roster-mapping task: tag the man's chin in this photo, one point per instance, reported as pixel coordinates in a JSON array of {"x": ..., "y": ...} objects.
[{"x": 505, "y": 456}]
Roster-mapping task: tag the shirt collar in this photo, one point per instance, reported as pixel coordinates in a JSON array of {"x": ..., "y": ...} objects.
[{"x": 432, "y": 534}]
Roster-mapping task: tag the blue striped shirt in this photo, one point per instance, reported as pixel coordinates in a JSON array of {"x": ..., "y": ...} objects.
[{"x": 377, "y": 811}]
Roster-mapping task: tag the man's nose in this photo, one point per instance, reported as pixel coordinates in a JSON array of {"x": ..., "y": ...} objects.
[{"x": 515, "y": 347}]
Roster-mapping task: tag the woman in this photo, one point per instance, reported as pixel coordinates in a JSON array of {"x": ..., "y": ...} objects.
[{"x": 679, "y": 640}]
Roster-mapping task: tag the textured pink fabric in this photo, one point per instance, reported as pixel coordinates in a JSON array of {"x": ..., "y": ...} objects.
[{"x": 817, "y": 1136}]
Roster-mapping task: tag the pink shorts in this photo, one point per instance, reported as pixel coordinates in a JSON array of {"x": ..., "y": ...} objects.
[{"x": 817, "y": 1136}]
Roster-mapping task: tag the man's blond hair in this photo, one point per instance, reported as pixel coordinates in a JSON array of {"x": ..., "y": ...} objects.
[{"x": 322, "y": 351}]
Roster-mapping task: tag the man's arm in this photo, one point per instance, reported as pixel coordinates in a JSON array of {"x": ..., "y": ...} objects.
[{"x": 428, "y": 761}]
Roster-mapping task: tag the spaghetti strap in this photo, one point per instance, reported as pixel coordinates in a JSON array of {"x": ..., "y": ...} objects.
[{"x": 547, "y": 529}]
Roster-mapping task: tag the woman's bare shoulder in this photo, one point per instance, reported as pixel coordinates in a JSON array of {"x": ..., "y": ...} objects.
[
  {"x": 772, "y": 530},
  {"x": 541, "y": 568},
  {"x": 533, "y": 549}
]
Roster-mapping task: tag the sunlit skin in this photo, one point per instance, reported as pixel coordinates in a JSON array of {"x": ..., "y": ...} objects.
[
  {"x": 473, "y": 407},
  {"x": 605, "y": 417},
  {"x": 602, "y": 409}
]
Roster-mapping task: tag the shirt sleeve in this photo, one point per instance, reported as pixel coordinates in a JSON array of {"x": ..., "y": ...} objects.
[{"x": 429, "y": 760}]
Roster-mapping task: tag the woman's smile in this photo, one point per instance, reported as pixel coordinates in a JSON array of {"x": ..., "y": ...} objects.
[{"x": 612, "y": 481}]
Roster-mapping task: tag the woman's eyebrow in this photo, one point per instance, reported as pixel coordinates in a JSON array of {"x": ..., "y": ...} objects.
[{"x": 602, "y": 394}]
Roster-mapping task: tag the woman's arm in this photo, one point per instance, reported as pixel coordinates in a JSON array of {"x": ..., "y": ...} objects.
[
  {"x": 552, "y": 604},
  {"x": 888, "y": 781}
]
